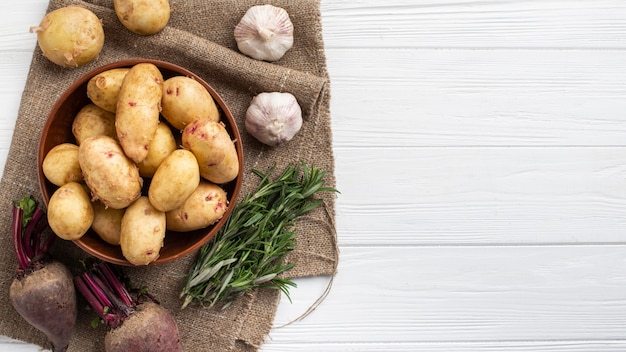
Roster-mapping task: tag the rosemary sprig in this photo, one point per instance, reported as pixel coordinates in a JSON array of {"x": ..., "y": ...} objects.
[{"x": 248, "y": 251}]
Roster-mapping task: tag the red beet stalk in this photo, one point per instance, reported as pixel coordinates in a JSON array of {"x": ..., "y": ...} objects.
[
  {"x": 28, "y": 232},
  {"x": 135, "y": 319},
  {"x": 106, "y": 294},
  {"x": 42, "y": 291}
]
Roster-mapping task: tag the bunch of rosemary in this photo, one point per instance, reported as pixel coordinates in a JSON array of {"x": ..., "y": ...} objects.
[{"x": 248, "y": 251}]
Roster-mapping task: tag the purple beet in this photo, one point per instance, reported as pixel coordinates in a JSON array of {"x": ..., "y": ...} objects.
[
  {"x": 150, "y": 328},
  {"x": 137, "y": 322},
  {"x": 43, "y": 290}
]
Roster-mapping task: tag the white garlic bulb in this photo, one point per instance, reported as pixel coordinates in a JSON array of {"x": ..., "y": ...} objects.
[
  {"x": 273, "y": 118},
  {"x": 265, "y": 32}
]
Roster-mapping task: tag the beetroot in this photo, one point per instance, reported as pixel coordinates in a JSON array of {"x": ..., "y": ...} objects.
[
  {"x": 137, "y": 321},
  {"x": 157, "y": 326},
  {"x": 42, "y": 291}
]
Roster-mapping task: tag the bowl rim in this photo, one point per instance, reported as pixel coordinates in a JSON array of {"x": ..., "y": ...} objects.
[{"x": 227, "y": 115}]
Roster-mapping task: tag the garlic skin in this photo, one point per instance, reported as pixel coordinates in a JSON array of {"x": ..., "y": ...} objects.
[
  {"x": 273, "y": 118},
  {"x": 265, "y": 32}
]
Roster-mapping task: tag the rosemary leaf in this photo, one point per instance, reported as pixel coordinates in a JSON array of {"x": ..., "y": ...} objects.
[{"x": 249, "y": 250}]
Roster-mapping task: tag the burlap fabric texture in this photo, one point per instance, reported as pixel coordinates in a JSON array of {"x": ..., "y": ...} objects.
[{"x": 199, "y": 37}]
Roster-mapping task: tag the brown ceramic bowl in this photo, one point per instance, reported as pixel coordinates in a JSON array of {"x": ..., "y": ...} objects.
[{"x": 58, "y": 129}]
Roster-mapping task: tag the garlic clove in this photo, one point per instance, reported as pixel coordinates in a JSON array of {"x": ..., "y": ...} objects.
[
  {"x": 265, "y": 32},
  {"x": 273, "y": 118}
]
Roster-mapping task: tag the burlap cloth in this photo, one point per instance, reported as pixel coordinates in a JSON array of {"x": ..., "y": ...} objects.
[{"x": 199, "y": 37}]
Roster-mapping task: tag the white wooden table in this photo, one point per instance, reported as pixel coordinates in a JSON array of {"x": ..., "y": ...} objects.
[{"x": 481, "y": 157}]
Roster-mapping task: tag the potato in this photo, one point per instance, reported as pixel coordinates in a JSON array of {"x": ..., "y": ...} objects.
[
  {"x": 110, "y": 175},
  {"x": 141, "y": 16},
  {"x": 142, "y": 232},
  {"x": 160, "y": 147},
  {"x": 185, "y": 100},
  {"x": 92, "y": 120},
  {"x": 61, "y": 166},
  {"x": 174, "y": 181},
  {"x": 103, "y": 88},
  {"x": 206, "y": 205},
  {"x": 211, "y": 144},
  {"x": 138, "y": 109},
  {"x": 107, "y": 223},
  {"x": 70, "y": 36},
  {"x": 70, "y": 213}
]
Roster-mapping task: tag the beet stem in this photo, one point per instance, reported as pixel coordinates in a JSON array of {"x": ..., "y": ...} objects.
[
  {"x": 101, "y": 309},
  {"x": 30, "y": 242},
  {"x": 96, "y": 290},
  {"x": 47, "y": 243},
  {"x": 151, "y": 298},
  {"x": 117, "y": 302},
  {"x": 16, "y": 235},
  {"x": 116, "y": 284},
  {"x": 106, "y": 293},
  {"x": 86, "y": 292}
]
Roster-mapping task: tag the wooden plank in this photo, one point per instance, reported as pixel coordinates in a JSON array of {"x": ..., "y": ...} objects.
[
  {"x": 14, "y": 70},
  {"x": 474, "y": 24},
  {"x": 444, "y": 196},
  {"x": 426, "y": 24},
  {"x": 15, "y": 23},
  {"x": 465, "y": 97},
  {"x": 480, "y": 295},
  {"x": 518, "y": 346},
  {"x": 511, "y": 135},
  {"x": 10, "y": 345}
]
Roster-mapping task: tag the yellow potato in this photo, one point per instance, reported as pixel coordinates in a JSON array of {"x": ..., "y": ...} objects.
[
  {"x": 70, "y": 213},
  {"x": 104, "y": 88},
  {"x": 174, "y": 181},
  {"x": 142, "y": 232},
  {"x": 61, "y": 166},
  {"x": 160, "y": 147},
  {"x": 185, "y": 100},
  {"x": 107, "y": 222},
  {"x": 206, "y": 205},
  {"x": 141, "y": 16},
  {"x": 138, "y": 109},
  {"x": 211, "y": 144},
  {"x": 109, "y": 174},
  {"x": 70, "y": 36},
  {"x": 92, "y": 120}
]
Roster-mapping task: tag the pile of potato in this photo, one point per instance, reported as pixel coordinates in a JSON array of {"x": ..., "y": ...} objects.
[{"x": 150, "y": 156}]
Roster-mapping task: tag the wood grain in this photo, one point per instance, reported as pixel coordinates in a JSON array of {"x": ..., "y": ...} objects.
[
  {"x": 471, "y": 294},
  {"x": 492, "y": 24},
  {"x": 478, "y": 97},
  {"x": 512, "y": 346},
  {"x": 490, "y": 195},
  {"x": 481, "y": 157}
]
